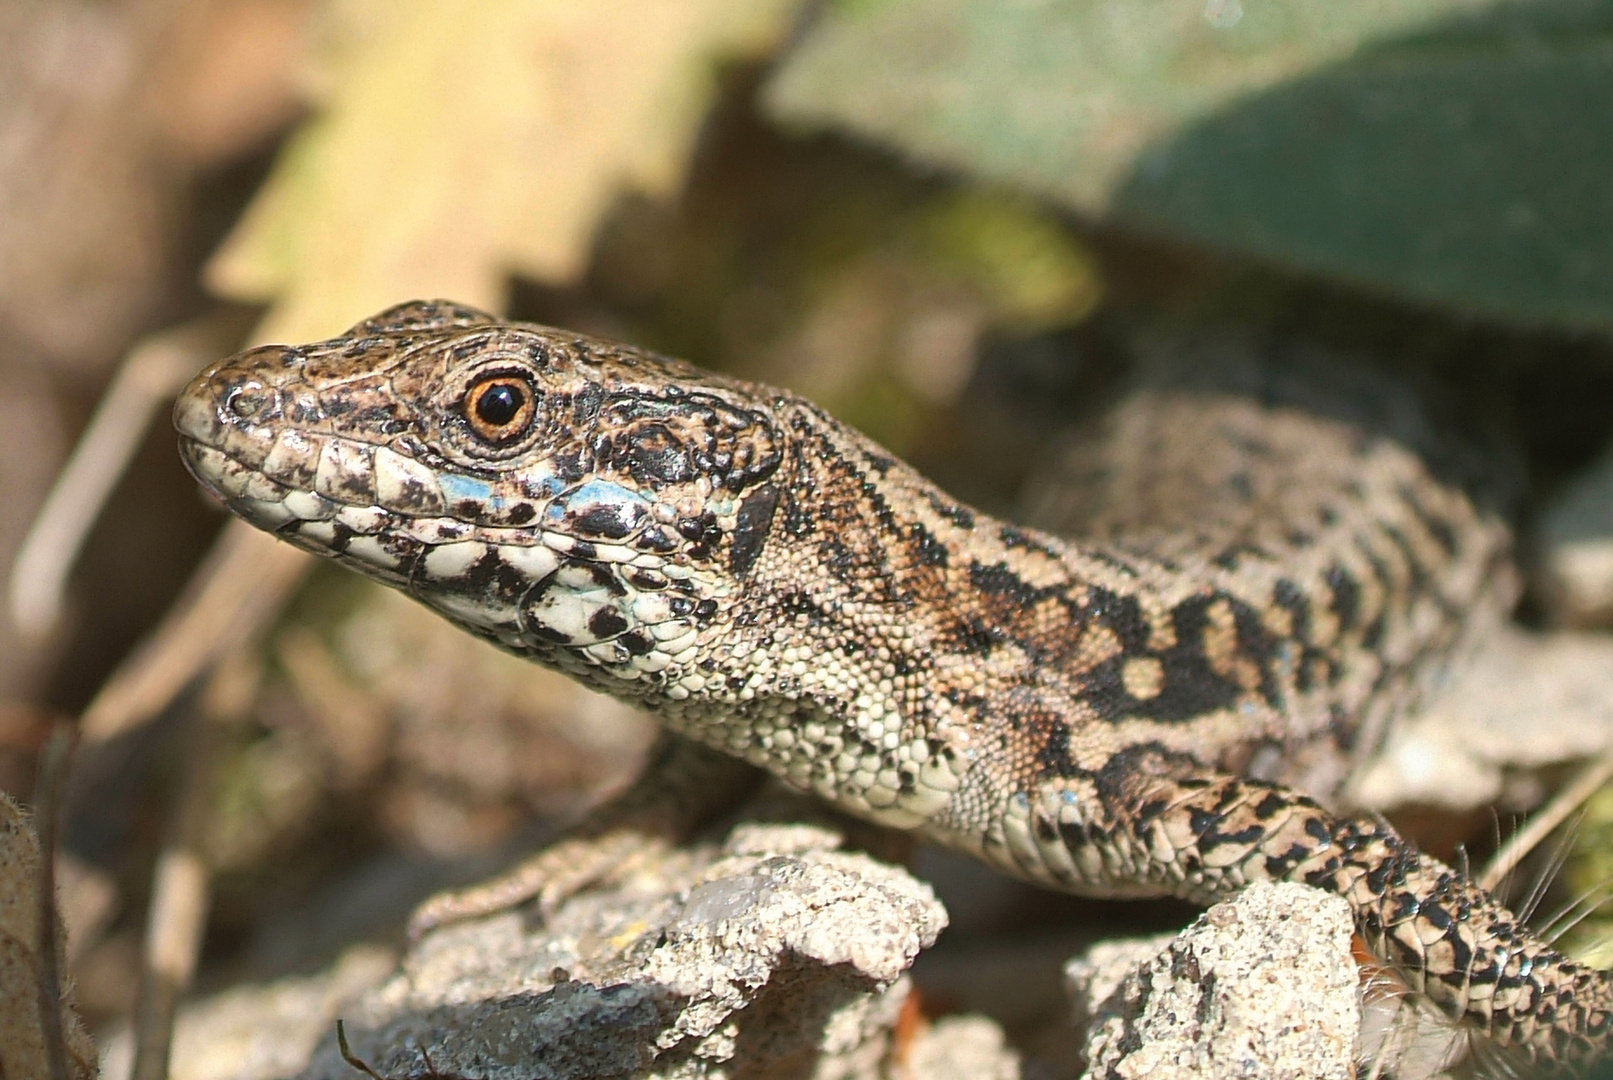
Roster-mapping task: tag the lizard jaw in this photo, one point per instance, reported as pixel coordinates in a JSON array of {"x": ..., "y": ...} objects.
[{"x": 606, "y": 610}]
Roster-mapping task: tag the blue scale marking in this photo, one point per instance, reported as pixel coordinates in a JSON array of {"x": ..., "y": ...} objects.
[
  {"x": 457, "y": 488},
  {"x": 597, "y": 493}
]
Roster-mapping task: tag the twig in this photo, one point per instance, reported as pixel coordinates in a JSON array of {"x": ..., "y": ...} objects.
[
  {"x": 53, "y": 765},
  {"x": 231, "y": 598},
  {"x": 363, "y": 1066},
  {"x": 351, "y": 1058},
  {"x": 1562, "y": 806},
  {"x": 181, "y": 890},
  {"x": 150, "y": 375}
]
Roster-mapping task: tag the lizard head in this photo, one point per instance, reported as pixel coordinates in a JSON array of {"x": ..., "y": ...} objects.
[{"x": 586, "y": 503}]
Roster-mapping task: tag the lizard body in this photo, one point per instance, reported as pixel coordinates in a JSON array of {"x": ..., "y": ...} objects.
[{"x": 1257, "y": 588}]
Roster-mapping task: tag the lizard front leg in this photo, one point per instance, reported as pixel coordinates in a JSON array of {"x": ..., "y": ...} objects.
[
  {"x": 683, "y": 785},
  {"x": 1135, "y": 826}
]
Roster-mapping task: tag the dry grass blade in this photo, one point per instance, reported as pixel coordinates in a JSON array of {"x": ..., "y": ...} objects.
[
  {"x": 181, "y": 892},
  {"x": 233, "y": 595},
  {"x": 1567, "y": 918},
  {"x": 1564, "y": 849},
  {"x": 1548, "y": 818},
  {"x": 178, "y": 916},
  {"x": 150, "y": 375}
]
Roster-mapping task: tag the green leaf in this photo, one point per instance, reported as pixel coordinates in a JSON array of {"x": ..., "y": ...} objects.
[{"x": 1451, "y": 151}]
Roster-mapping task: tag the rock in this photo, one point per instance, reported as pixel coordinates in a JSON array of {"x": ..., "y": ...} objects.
[
  {"x": 262, "y": 1031},
  {"x": 1092, "y": 978},
  {"x": 1574, "y": 544},
  {"x": 1262, "y": 985},
  {"x": 1525, "y": 702},
  {"x": 959, "y": 1048},
  {"x": 773, "y": 954}
]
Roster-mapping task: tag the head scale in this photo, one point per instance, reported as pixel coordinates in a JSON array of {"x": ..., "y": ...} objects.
[{"x": 589, "y": 504}]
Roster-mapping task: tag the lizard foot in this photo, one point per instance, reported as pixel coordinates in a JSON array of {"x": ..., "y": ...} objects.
[
  {"x": 550, "y": 877},
  {"x": 683, "y": 786}
]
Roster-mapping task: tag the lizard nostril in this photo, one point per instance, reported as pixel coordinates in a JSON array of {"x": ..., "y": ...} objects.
[{"x": 245, "y": 401}]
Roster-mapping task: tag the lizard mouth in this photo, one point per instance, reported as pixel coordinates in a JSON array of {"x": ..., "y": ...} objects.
[
  {"x": 301, "y": 513},
  {"x": 576, "y": 602},
  {"x": 533, "y": 591}
]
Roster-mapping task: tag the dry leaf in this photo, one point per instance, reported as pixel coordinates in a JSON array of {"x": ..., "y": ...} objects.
[
  {"x": 461, "y": 142},
  {"x": 22, "y": 1046}
]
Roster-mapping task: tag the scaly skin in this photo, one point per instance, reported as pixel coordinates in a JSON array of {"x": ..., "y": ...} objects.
[{"x": 1258, "y": 589}]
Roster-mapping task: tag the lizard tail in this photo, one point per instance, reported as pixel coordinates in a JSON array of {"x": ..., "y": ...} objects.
[{"x": 1449, "y": 939}]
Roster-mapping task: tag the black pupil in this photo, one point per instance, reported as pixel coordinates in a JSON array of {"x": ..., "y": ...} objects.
[{"x": 499, "y": 403}]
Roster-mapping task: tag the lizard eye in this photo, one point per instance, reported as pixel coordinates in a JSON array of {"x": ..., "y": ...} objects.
[{"x": 499, "y": 408}]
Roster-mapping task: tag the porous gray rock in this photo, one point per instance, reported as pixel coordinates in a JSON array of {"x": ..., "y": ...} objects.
[
  {"x": 1526, "y": 702},
  {"x": 259, "y": 1031},
  {"x": 773, "y": 954},
  {"x": 958, "y": 1048},
  {"x": 1574, "y": 549},
  {"x": 1262, "y": 985}
]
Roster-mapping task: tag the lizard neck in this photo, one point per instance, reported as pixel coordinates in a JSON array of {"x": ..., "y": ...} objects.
[{"x": 886, "y": 637}]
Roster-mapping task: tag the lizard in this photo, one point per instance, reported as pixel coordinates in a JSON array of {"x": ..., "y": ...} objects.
[{"x": 1246, "y": 597}]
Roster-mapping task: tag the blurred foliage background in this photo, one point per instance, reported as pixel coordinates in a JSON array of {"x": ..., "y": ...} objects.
[{"x": 925, "y": 214}]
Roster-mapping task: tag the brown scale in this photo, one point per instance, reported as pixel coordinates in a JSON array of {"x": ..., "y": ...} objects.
[{"x": 1268, "y": 571}]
